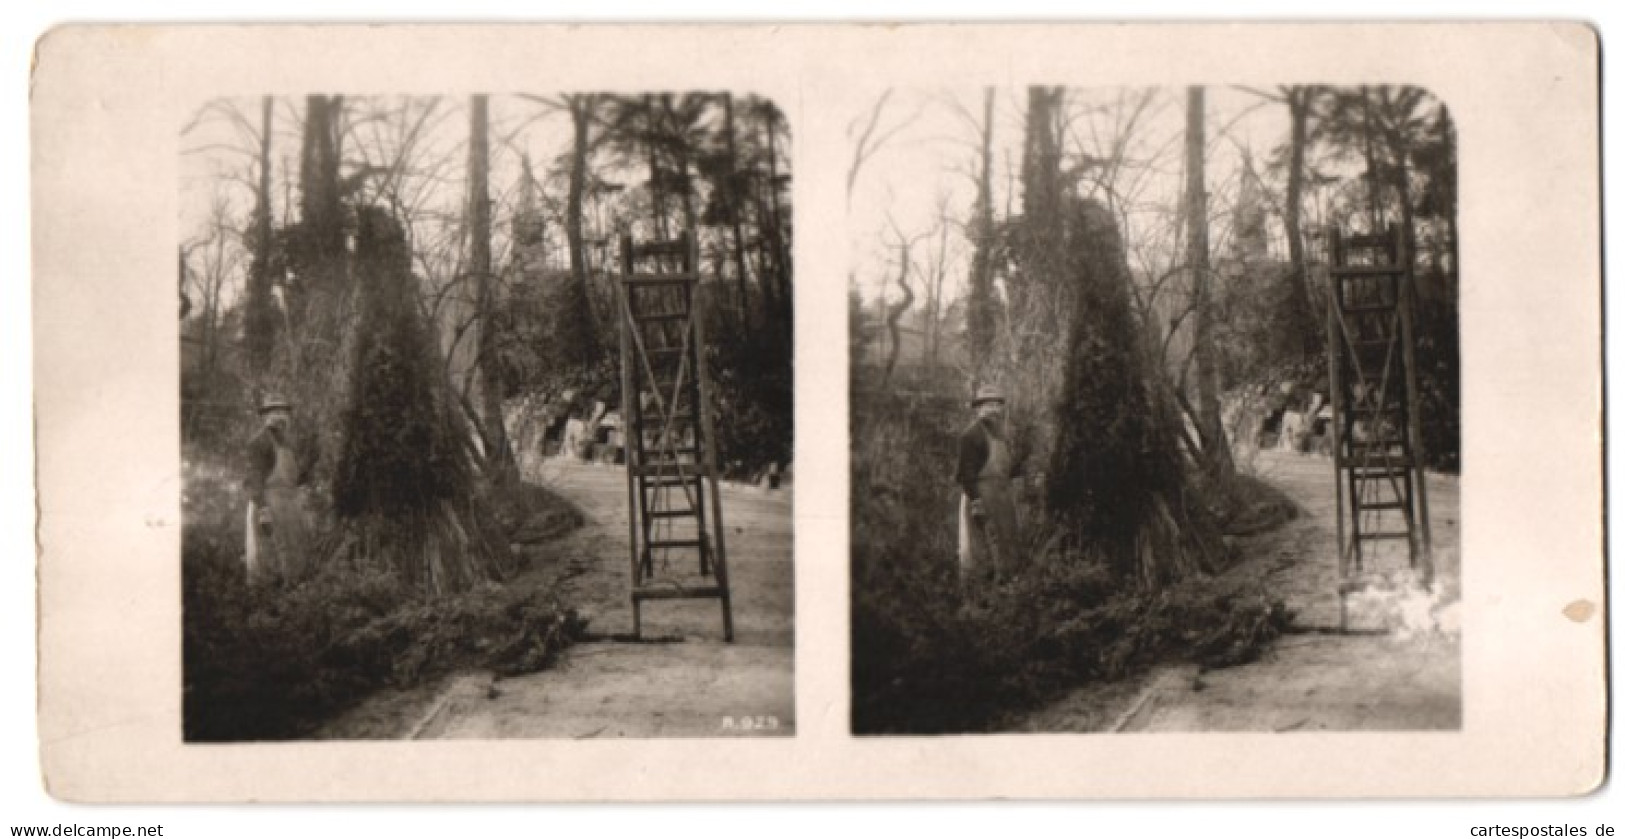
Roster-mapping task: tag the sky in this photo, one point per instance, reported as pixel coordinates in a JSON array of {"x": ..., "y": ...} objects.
[
  {"x": 219, "y": 158},
  {"x": 932, "y": 148},
  {"x": 28, "y": 800}
]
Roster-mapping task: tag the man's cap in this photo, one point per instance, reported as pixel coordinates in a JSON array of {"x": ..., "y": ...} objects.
[
  {"x": 275, "y": 402},
  {"x": 987, "y": 393}
]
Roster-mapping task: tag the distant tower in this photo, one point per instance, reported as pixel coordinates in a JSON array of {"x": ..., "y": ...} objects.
[
  {"x": 1251, "y": 242},
  {"x": 529, "y": 229}
]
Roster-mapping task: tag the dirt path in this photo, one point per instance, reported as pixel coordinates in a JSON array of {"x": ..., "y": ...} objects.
[
  {"x": 1399, "y": 669},
  {"x": 689, "y": 683}
]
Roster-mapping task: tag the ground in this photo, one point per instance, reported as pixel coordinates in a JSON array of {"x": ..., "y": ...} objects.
[
  {"x": 685, "y": 681},
  {"x": 1398, "y": 668}
]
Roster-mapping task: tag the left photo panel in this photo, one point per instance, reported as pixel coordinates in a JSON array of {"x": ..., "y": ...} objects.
[{"x": 486, "y": 409}]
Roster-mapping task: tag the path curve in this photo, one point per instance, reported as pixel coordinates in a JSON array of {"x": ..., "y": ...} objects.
[
  {"x": 1400, "y": 671},
  {"x": 690, "y": 683}
]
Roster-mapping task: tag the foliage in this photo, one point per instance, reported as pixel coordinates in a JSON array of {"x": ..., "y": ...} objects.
[
  {"x": 1116, "y": 452},
  {"x": 754, "y": 399},
  {"x": 924, "y": 660},
  {"x": 403, "y": 487},
  {"x": 269, "y": 663},
  {"x": 1438, "y": 369},
  {"x": 399, "y": 455},
  {"x": 272, "y": 662},
  {"x": 860, "y": 332}
]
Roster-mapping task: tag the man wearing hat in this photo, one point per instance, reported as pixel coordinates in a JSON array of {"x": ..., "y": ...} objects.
[
  {"x": 278, "y": 530},
  {"x": 987, "y": 512}
]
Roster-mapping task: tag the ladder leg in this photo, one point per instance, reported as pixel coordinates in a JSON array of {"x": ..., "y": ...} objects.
[{"x": 630, "y": 427}]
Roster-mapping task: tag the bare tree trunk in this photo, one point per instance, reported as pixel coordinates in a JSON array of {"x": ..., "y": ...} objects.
[
  {"x": 732, "y": 193},
  {"x": 479, "y": 259},
  {"x": 259, "y": 325},
  {"x": 581, "y": 111},
  {"x": 895, "y": 314},
  {"x": 1372, "y": 166},
  {"x": 679, "y": 148},
  {"x": 1217, "y": 456},
  {"x": 657, "y": 195},
  {"x": 1400, "y": 149},
  {"x": 1298, "y": 101},
  {"x": 939, "y": 275},
  {"x": 775, "y": 232},
  {"x": 979, "y": 307}
]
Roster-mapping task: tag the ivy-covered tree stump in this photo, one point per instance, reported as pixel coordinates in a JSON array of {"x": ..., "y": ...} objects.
[{"x": 404, "y": 491}]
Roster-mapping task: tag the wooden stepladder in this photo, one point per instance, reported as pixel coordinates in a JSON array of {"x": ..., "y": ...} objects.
[
  {"x": 1376, "y": 427},
  {"x": 671, "y": 463}
]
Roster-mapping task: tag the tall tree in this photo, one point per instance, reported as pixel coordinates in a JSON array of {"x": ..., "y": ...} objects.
[
  {"x": 583, "y": 110},
  {"x": 1403, "y": 127},
  {"x": 1299, "y": 101},
  {"x": 309, "y": 364},
  {"x": 979, "y": 318},
  {"x": 321, "y": 213},
  {"x": 1117, "y": 491},
  {"x": 1038, "y": 298},
  {"x": 1373, "y": 164},
  {"x": 774, "y": 125},
  {"x": 259, "y": 312},
  {"x": 1215, "y": 447},
  {"x": 731, "y": 193},
  {"x": 894, "y": 314},
  {"x": 653, "y": 128},
  {"x": 479, "y": 265},
  {"x": 1031, "y": 362},
  {"x": 681, "y": 135},
  {"x": 403, "y": 488}
]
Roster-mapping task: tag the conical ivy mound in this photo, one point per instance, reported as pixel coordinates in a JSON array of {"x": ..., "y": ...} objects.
[
  {"x": 403, "y": 487},
  {"x": 1117, "y": 487}
]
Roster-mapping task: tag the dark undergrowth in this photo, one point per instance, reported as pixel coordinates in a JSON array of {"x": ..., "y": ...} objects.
[
  {"x": 272, "y": 662},
  {"x": 927, "y": 660}
]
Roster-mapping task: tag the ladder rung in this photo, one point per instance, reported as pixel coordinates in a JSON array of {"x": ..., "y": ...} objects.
[
  {"x": 691, "y": 472},
  {"x": 673, "y": 514},
  {"x": 653, "y": 420},
  {"x": 658, "y": 481},
  {"x": 1379, "y": 473},
  {"x": 668, "y": 593},
  {"x": 669, "y": 465},
  {"x": 660, "y": 317},
  {"x": 635, "y": 280},
  {"x": 1396, "y": 464},
  {"x": 1382, "y": 505},
  {"x": 675, "y": 543},
  {"x": 660, "y": 247},
  {"x": 1382, "y": 535},
  {"x": 1367, "y": 271},
  {"x": 670, "y": 453},
  {"x": 1382, "y": 476},
  {"x": 665, "y": 352}
]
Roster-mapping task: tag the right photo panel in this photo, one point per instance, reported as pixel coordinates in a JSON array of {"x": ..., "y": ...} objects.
[{"x": 1155, "y": 409}]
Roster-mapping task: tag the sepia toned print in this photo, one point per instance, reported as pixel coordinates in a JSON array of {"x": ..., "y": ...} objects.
[
  {"x": 485, "y": 417},
  {"x": 1155, "y": 406},
  {"x": 486, "y": 647}
]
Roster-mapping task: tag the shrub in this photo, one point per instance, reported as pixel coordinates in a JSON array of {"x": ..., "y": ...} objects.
[
  {"x": 267, "y": 662},
  {"x": 926, "y": 661}
]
